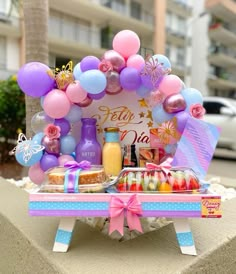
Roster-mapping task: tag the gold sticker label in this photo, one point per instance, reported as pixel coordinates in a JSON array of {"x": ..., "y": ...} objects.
[{"x": 211, "y": 207}]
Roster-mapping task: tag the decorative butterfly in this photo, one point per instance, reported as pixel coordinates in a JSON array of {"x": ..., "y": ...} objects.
[
  {"x": 64, "y": 75},
  {"x": 27, "y": 147},
  {"x": 154, "y": 70}
]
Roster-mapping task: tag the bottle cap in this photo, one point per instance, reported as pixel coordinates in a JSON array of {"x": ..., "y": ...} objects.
[{"x": 111, "y": 129}]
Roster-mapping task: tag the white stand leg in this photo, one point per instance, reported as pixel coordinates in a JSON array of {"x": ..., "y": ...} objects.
[
  {"x": 64, "y": 234},
  {"x": 184, "y": 236}
]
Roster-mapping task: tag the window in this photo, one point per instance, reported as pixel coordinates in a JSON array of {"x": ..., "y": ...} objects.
[
  {"x": 2, "y": 52},
  {"x": 167, "y": 50},
  {"x": 213, "y": 107},
  {"x": 180, "y": 57},
  {"x": 135, "y": 10}
]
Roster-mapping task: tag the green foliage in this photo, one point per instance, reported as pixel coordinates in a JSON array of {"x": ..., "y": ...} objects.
[{"x": 12, "y": 113}]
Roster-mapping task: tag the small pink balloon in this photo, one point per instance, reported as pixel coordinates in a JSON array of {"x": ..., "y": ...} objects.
[
  {"x": 135, "y": 61},
  {"x": 170, "y": 84},
  {"x": 36, "y": 174},
  {"x": 56, "y": 104},
  {"x": 126, "y": 42},
  {"x": 65, "y": 158},
  {"x": 117, "y": 61},
  {"x": 86, "y": 102},
  {"x": 174, "y": 103},
  {"x": 113, "y": 83},
  {"x": 52, "y": 146},
  {"x": 75, "y": 92}
]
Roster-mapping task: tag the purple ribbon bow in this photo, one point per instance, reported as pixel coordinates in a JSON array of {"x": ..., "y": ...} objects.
[{"x": 72, "y": 175}]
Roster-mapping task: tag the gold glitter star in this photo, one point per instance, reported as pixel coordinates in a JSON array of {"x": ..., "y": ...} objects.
[
  {"x": 149, "y": 115},
  {"x": 142, "y": 103},
  {"x": 141, "y": 114},
  {"x": 150, "y": 124}
]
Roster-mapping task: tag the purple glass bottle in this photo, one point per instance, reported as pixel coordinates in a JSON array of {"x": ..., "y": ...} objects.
[{"x": 88, "y": 147}]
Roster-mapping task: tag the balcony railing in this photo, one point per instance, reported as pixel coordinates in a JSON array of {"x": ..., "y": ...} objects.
[
  {"x": 9, "y": 20},
  {"x": 142, "y": 15}
]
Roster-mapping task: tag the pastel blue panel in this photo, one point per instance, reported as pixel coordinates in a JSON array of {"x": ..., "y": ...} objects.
[
  {"x": 168, "y": 206},
  {"x": 185, "y": 238},
  {"x": 63, "y": 236},
  {"x": 68, "y": 205}
]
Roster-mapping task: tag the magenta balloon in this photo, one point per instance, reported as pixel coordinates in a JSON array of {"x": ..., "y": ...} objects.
[
  {"x": 130, "y": 79},
  {"x": 48, "y": 161},
  {"x": 97, "y": 96},
  {"x": 113, "y": 82},
  {"x": 182, "y": 118},
  {"x": 174, "y": 103},
  {"x": 52, "y": 146},
  {"x": 117, "y": 61},
  {"x": 56, "y": 104},
  {"x": 89, "y": 62},
  {"x": 34, "y": 80},
  {"x": 64, "y": 126},
  {"x": 86, "y": 102},
  {"x": 36, "y": 174}
]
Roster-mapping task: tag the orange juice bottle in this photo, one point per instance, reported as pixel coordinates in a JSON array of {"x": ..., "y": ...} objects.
[{"x": 111, "y": 152}]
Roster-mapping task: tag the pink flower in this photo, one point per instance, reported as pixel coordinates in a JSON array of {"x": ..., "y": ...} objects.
[
  {"x": 52, "y": 131},
  {"x": 105, "y": 66},
  {"x": 197, "y": 111}
]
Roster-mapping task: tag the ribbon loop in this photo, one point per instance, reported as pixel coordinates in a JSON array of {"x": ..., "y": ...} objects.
[
  {"x": 72, "y": 175},
  {"x": 118, "y": 208},
  {"x": 165, "y": 166}
]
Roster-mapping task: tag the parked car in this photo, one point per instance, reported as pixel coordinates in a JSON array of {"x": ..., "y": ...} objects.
[{"x": 221, "y": 112}]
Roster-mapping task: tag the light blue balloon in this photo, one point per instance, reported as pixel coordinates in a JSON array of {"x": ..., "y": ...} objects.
[
  {"x": 191, "y": 96},
  {"x": 68, "y": 144},
  {"x": 38, "y": 138},
  {"x": 93, "y": 81},
  {"x": 28, "y": 153},
  {"x": 143, "y": 91},
  {"x": 159, "y": 115},
  {"x": 77, "y": 71},
  {"x": 162, "y": 59},
  {"x": 74, "y": 114}
]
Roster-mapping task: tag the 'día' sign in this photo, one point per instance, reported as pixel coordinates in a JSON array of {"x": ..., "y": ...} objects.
[
  {"x": 211, "y": 207},
  {"x": 128, "y": 112}
]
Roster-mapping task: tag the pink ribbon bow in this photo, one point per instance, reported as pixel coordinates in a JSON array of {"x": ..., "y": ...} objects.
[
  {"x": 165, "y": 166},
  {"x": 119, "y": 209}
]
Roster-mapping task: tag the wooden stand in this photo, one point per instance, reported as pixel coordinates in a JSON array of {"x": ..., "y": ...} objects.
[{"x": 179, "y": 207}]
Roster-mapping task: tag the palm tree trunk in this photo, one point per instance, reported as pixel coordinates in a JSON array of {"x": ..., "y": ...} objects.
[{"x": 35, "y": 31}]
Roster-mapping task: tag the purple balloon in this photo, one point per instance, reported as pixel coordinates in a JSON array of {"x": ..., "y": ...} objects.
[
  {"x": 34, "y": 79},
  {"x": 97, "y": 96},
  {"x": 64, "y": 126},
  {"x": 89, "y": 62},
  {"x": 130, "y": 78},
  {"x": 48, "y": 161},
  {"x": 182, "y": 118}
]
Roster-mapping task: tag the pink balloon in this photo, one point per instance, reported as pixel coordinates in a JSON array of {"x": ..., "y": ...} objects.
[
  {"x": 56, "y": 104},
  {"x": 135, "y": 61},
  {"x": 117, "y": 61},
  {"x": 170, "y": 84},
  {"x": 113, "y": 83},
  {"x": 126, "y": 42},
  {"x": 36, "y": 174},
  {"x": 65, "y": 158},
  {"x": 75, "y": 92}
]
